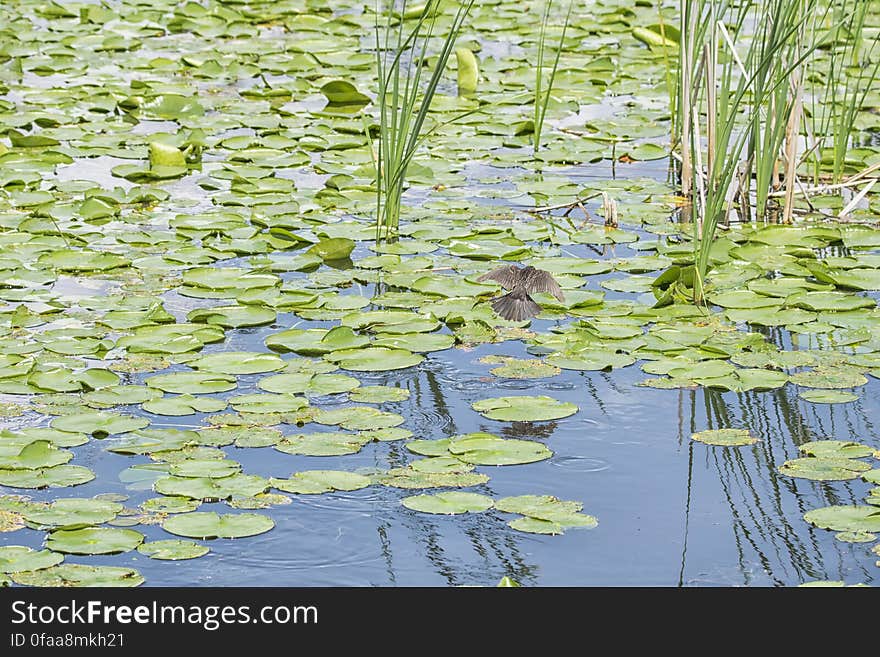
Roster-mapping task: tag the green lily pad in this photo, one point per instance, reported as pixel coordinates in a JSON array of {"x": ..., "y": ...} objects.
[
  {"x": 99, "y": 424},
  {"x": 267, "y": 403},
  {"x": 211, "y": 468},
  {"x": 16, "y": 559},
  {"x": 238, "y": 362},
  {"x": 316, "y": 342},
  {"x": 35, "y": 455},
  {"x": 409, "y": 478},
  {"x": 856, "y": 537},
  {"x": 449, "y": 503},
  {"x": 820, "y": 396},
  {"x": 237, "y": 316},
  {"x": 205, "y": 525},
  {"x": 192, "y": 382},
  {"x": 309, "y": 384},
  {"x": 520, "y": 368},
  {"x": 72, "y": 513},
  {"x": 322, "y": 443},
  {"x": 590, "y": 359},
  {"x": 845, "y": 518},
  {"x": 359, "y": 418},
  {"x": 524, "y": 409},
  {"x": 311, "y": 482},
  {"x": 725, "y": 437},
  {"x": 184, "y": 405},
  {"x": 829, "y": 378},
  {"x": 374, "y": 359},
  {"x": 544, "y": 509},
  {"x": 824, "y": 469},
  {"x": 844, "y": 449},
  {"x": 209, "y": 489},
  {"x": 59, "y": 476},
  {"x": 334, "y": 248},
  {"x": 487, "y": 449},
  {"x": 378, "y": 394},
  {"x": 173, "y": 549},
  {"x": 170, "y": 504},
  {"x": 94, "y": 540},
  {"x": 70, "y": 574}
]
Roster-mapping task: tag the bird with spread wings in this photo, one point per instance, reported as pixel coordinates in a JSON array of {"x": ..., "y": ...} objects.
[{"x": 517, "y": 305}]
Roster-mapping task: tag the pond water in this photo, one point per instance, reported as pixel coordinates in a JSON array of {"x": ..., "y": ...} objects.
[{"x": 671, "y": 511}]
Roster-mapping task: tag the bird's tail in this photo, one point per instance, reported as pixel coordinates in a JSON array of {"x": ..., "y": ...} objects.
[{"x": 516, "y": 305}]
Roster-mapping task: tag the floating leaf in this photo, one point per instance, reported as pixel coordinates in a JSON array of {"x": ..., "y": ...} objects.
[
  {"x": 451, "y": 503},
  {"x": 487, "y": 449},
  {"x": 828, "y": 396},
  {"x": 335, "y": 248},
  {"x": 238, "y": 362},
  {"x": 409, "y": 478},
  {"x": 192, "y": 382},
  {"x": 845, "y": 518},
  {"x": 99, "y": 424},
  {"x": 725, "y": 437},
  {"x": 312, "y": 482},
  {"x": 828, "y": 378},
  {"x": 322, "y": 443},
  {"x": 524, "y": 409},
  {"x": 184, "y": 405},
  {"x": 69, "y": 574},
  {"x": 519, "y": 368},
  {"x": 16, "y": 558},
  {"x": 374, "y": 359},
  {"x": 94, "y": 540},
  {"x": 378, "y": 394},
  {"x": 72, "y": 513},
  {"x": 59, "y": 476},
  {"x": 205, "y": 525},
  {"x": 844, "y": 449},
  {"x": 173, "y": 550},
  {"x": 824, "y": 469},
  {"x": 209, "y": 489}
]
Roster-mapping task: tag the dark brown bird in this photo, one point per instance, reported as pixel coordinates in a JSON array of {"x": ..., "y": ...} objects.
[{"x": 517, "y": 305}]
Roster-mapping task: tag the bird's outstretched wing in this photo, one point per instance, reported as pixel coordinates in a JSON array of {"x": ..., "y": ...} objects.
[
  {"x": 516, "y": 306},
  {"x": 543, "y": 281},
  {"x": 508, "y": 275}
]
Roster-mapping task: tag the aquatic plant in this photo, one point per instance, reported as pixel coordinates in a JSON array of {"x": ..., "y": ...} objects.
[
  {"x": 729, "y": 103},
  {"x": 403, "y": 103},
  {"x": 840, "y": 86},
  {"x": 544, "y": 87}
]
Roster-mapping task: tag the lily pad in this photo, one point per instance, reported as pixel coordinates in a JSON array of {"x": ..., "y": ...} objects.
[
  {"x": 311, "y": 482},
  {"x": 520, "y": 368},
  {"x": 72, "y": 513},
  {"x": 524, "y": 409},
  {"x": 845, "y": 518},
  {"x": 449, "y": 503},
  {"x": 725, "y": 437},
  {"x": 94, "y": 540},
  {"x": 192, "y": 382},
  {"x": 374, "y": 359},
  {"x": 487, "y": 449},
  {"x": 173, "y": 549},
  {"x": 69, "y": 574},
  {"x": 207, "y": 524},
  {"x": 17, "y": 558}
]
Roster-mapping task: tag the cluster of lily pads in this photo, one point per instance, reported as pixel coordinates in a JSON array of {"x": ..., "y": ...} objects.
[{"x": 174, "y": 175}]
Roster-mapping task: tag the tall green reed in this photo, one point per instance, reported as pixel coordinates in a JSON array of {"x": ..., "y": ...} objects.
[
  {"x": 403, "y": 101},
  {"x": 543, "y": 88},
  {"x": 841, "y": 81},
  {"x": 727, "y": 101}
]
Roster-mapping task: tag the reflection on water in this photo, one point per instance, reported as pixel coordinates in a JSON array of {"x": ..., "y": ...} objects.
[{"x": 671, "y": 512}]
